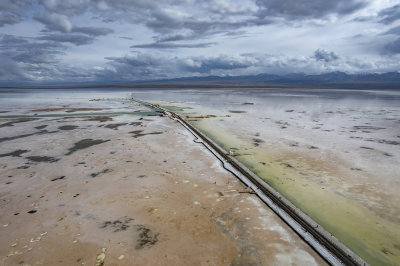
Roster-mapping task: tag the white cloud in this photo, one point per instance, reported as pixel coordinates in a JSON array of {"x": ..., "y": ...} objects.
[
  {"x": 172, "y": 38},
  {"x": 54, "y": 21}
]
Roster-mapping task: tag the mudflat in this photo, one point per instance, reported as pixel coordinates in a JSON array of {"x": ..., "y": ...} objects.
[{"x": 128, "y": 190}]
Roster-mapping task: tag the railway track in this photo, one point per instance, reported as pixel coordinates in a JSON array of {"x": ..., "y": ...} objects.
[{"x": 329, "y": 248}]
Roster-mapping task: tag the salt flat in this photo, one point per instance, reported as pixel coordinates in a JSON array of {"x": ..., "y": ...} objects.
[
  {"x": 332, "y": 153},
  {"x": 118, "y": 189}
]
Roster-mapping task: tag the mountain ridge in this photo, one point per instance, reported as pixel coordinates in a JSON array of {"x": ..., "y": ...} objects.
[{"x": 337, "y": 79}]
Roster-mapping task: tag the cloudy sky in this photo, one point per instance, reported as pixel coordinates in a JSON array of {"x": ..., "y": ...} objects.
[{"x": 122, "y": 40}]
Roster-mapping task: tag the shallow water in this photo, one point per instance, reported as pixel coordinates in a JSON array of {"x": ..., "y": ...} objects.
[{"x": 333, "y": 153}]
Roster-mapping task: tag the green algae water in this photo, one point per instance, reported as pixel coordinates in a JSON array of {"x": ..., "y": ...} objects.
[
  {"x": 367, "y": 235},
  {"x": 358, "y": 204}
]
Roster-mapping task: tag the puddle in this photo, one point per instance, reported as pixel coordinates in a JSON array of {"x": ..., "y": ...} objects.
[
  {"x": 115, "y": 126},
  {"x": 58, "y": 178},
  {"x": 40, "y": 159},
  {"x": 27, "y": 135},
  {"x": 138, "y": 133},
  {"x": 100, "y": 118},
  {"x": 16, "y": 153},
  {"x": 67, "y": 127},
  {"x": 101, "y": 172},
  {"x": 85, "y": 143},
  {"x": 257, "y": 142},
  {"x": 41, "y": 127},
  {"x": 20, "y": 120}
]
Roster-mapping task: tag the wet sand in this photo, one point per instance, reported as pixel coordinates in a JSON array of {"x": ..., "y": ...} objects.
[{"x": 128, "y": 190}]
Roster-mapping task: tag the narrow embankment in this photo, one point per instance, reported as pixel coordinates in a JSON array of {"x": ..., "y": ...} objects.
[{"x": 333, "y": 251}]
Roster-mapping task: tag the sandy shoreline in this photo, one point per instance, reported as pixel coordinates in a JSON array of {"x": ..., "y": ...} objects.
[{"x": 129, "y": 190}]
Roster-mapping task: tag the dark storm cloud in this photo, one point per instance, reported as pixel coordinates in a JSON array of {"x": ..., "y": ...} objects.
[
  {"x": 181, "y": 24},
  {"x": 27, "y": 59},
  {"x": 294, "y": 9},
  {"x": 393, "y": 47},
  {"x": 93, "y": 31},
  {"x": 168, "y": 24},
  {"x": 10, "y": 70},
  {"x": 13, "y": 6},
  {"x": 66, "y": 7},
  {"x": 10, "y": 11},
  {"x": 148, "y": 13},
  {"x": 203, "y": 29},
  {"x": 7, "y": 18},
  {"x": 24, "y": 50},
  {"x": 393, "y": 31},
  {"x": 364, "y": 19},
  {"x": 138, "y": 60},
  {"x": 76, "y": 39},
  {"x": 152, "y": 66},
  {"x": 323, "y": 55},
  {"x": 11, "y": 41},
  {"x": 390, "y": 15},
  {"x": 173, "y": 20},
  {"x": 176, "y": 37},
  {"x": 149, "y": 66},
  {"x": 172, "y": 45},
  {"x": 38, "y": 53},
  {"x": 69, "y": 33},
  {"x": 137, "y": 66},
  {"x": 166, "y": 17},
  {"x": 61, "y": 23}
]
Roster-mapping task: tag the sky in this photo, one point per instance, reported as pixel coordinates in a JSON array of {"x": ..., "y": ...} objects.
[{"x": 127, "y": 40}]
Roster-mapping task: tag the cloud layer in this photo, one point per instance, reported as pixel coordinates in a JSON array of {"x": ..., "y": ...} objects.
[{"x": 84, "y": 40}]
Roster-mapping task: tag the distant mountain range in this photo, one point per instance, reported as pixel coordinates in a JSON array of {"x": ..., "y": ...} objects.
[
  {"x": 339, "y": 80},
  {"x": 328, "y": 80}
]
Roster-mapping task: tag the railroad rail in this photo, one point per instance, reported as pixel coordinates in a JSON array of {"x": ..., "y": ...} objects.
[{"x": 330, "y": 248}]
